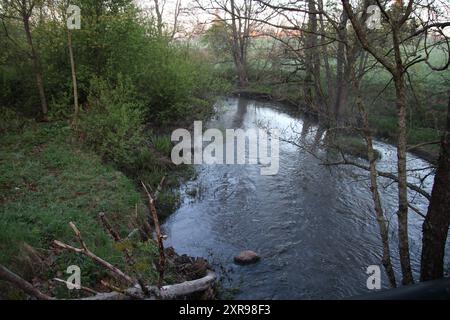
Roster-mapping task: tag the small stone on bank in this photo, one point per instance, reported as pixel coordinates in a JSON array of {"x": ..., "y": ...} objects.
[{"x": 246, "y": 257}]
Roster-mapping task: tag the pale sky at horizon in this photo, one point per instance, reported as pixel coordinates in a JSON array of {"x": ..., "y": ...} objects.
[{"x": 187, "y": 20}]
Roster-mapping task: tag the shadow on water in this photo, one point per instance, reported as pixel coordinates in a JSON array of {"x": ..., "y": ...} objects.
[{"x": 313, "y": 226}]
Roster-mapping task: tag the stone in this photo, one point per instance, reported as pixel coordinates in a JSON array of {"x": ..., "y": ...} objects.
[{"x": 247, "y": 257}]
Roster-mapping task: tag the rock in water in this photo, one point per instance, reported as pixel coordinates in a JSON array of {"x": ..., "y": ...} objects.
[{"x": 246, "y": 257}]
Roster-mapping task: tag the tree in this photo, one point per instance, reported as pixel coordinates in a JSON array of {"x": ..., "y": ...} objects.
[
  {"x": 159, "y": 14},
  {"x": 74, "y": 78},
  {"x": 396, "y": 67},
  {"x": 22, "y": 10},
  {"x": 239, "y": 17},
  {"x": 397, "y": 64},
  {"x": 397, "y": 47},
  {"x": 64, "y": 12},
  {"x": 437, "y": 221},
  {"x": 309, "y": 21}
]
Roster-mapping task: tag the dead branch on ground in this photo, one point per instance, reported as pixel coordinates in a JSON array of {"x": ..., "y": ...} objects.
[
  {"x": 159, "y": 236},
  {"x": 85, "y": 251}
]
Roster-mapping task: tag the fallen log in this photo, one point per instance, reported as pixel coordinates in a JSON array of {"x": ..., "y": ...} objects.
[{"x": 168, "y": 292}]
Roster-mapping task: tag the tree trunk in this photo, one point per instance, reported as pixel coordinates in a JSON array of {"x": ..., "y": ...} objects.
[
  {"x": 402, "y": 213},
  {"x": 311, "y": 57},
  {"x": 328, "y": 74},
  {"x": 241, "y": 71},
  {"x": 238, "y": 47},
  {"x": 36, "y": 67},
  {"x": 384, "y": 232},
  {"x": 341, "y": 81},
  {"x": 437, "y": 221},
  {"x": 74, "y": 79},
  {"x": 159, "y": 18}
]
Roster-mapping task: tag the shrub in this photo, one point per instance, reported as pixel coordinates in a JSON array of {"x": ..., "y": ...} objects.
[
  {"x": 113, "y": 125},
  {"x": 162, "y": 144},
  {"x": 61, "y": 107},
  {"x": 10, "y": 121}
]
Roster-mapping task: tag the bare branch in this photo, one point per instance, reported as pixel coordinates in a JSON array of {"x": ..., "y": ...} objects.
[{"x": 9, "y": 276}]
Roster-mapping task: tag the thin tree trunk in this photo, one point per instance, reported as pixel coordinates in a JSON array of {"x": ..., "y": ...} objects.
[
  {"x": 74, "y": 79},
  {"x": 36, "y": 67},
  {"x": 436, "y": 224},
  {"x": 402, "y": 213},
  {"x": 397, "y": 71},
  {"x": 384, "y": 233},
  {"x": 238, "y": 47},
  {"x": 159, "y": 18},
  {"x": 325, "y": 53},
  {"x": 341, "y": 82},
  {"x": 310, "y": 53}
]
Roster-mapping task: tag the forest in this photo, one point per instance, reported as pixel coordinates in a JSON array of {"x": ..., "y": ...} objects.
[{"x": 93, "y": 205}]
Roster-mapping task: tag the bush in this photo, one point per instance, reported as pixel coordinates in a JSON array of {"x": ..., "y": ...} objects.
[
  {"x": 162, "y": 144},
  {"x": 61, "y": 107},
  {"x": 113, "y": 125},
  {"x": 419, "y": 135},
  {"x": 10, "y": 121}
]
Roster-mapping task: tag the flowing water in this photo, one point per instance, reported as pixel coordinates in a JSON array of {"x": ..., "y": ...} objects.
[{"x": 312, "y": 225}]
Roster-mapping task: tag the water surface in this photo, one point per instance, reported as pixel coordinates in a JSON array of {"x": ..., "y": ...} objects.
[{"x": 313, "y": 225}]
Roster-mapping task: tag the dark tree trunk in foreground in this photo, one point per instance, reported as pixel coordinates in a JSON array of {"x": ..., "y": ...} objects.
[{"x": 436, "y": 224}]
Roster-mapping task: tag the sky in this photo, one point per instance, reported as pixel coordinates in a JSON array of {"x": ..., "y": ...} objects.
[{"x": 188, "y": 20}]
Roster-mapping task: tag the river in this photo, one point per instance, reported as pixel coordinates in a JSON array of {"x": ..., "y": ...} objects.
[{"x": 313, "y": 226}]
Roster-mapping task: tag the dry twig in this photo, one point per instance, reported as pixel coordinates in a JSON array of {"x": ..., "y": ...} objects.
[
  {"x": 84, "y": 250},
  {"x": 159, "y": 237}
]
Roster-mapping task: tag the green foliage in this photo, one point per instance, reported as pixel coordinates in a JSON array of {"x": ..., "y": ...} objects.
[
  {"x": 217, "y": 39},
  {"x": 162, "y": 144},
  {"x": 386, "y": 126},
  {"x": 60, "y": 107},
  {"x": 113, "y": 125},
  {"x": 10, "y": 121},
  {"x": 115, "y": 41}
]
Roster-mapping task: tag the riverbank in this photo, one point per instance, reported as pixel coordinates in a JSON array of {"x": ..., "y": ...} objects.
[{"x": 48, "y": 179}]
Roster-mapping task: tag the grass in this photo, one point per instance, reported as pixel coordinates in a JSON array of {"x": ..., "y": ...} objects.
[
  {"x": 386, "y": 127},
  {"x": 354, "y": 146},
  {"x": 48, "y": 180}
]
